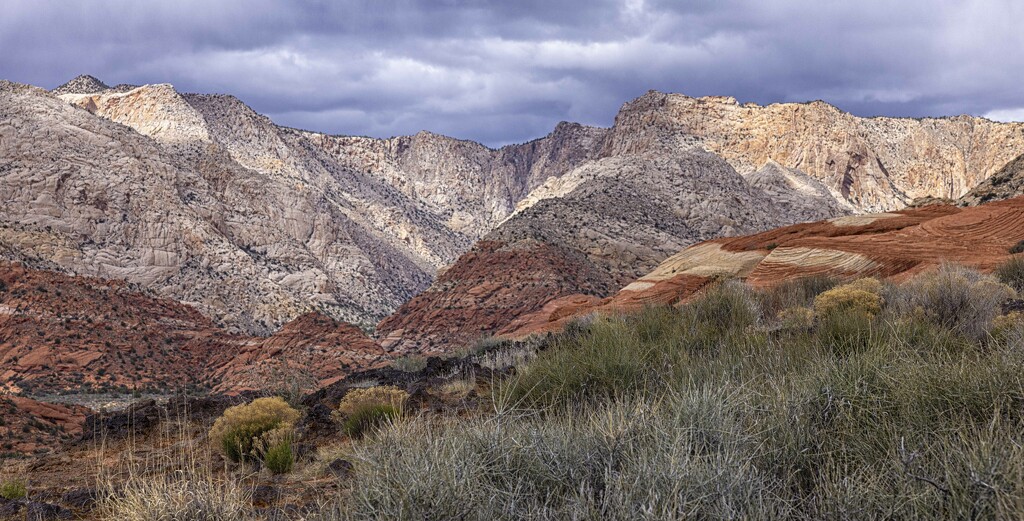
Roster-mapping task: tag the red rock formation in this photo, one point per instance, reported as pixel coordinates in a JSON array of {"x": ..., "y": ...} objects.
[
  {"x": 891, "y": 245},
  {"x": 490, "y": 285},
  {"x": 60, "y": 333},
  {"x": 28, "y": 426}
]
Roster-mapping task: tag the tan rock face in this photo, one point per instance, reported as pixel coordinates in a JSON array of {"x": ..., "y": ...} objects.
[{"x": 877, "y": 164}]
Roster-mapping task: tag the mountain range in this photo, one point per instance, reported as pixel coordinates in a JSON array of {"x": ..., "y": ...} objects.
[{"x": 219, "y": 241}]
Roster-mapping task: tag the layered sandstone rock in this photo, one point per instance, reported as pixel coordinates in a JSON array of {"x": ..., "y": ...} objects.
[
  {"x": 593, "y": 230},
  {"x": 887, "y": 245}
]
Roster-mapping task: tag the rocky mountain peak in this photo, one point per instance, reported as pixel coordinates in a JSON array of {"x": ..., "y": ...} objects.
[{"x": 82, "y": 84}]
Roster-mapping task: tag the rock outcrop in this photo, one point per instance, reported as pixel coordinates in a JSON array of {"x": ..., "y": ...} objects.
[
  {"x": 61, "y": 333},
  {"x": 591, "y": 231},
  {"x": 1008, "y": 182},
  {"x": 207, "y": 202},
  {"x": 876, "y": 164},
  {"x": 887, "y": 245}
]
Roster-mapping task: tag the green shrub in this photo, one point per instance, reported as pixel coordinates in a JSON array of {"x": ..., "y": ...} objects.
[
  {"x": 13, "y": 489},
  {"x": 362, "y": 410},
  {"x": 241, "y": 431},
  {"x": 277, "y": 451},
  {"x": 1011, "y": 273},
  {"x": 367, "y": 418}
]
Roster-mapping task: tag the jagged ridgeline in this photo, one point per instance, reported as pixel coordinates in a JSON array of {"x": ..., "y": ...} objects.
[{"x": 200, "y": 199}]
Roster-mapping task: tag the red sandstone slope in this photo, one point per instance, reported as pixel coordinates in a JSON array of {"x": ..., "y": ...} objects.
[
  {"x": 61, "y": 333},
  {"x": 889, "y": 245}
]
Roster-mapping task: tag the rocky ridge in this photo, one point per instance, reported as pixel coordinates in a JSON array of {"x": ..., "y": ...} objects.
[
  {"x": 61, "y": 334},
  {"x": 876, "y": 164},
  {"x": 893, "y": 245}
]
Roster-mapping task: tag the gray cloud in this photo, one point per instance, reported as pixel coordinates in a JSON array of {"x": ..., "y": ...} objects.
[{"x": 502, "y": 72}]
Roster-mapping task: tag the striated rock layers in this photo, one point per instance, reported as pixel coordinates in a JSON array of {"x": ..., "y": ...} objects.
[
  {"x": 62, "y": 333},
  {"x": 889, "y": 245},
  {"x": 207, "y": 202}
]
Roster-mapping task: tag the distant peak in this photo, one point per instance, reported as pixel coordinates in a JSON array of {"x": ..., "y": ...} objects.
[{"x": 84, "y": 84}]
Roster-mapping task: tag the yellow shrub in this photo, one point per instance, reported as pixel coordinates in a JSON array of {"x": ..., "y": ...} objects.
[
  {"x": 797, "y": 318},
  {"x": 858, "y": 296},
  {"x": 240, "y": 431},
  {"x": 1008, "y": 321},
  {"x": 357, "y": 399}
]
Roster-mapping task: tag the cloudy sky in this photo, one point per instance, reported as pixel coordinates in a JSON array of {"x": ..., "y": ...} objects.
[{"x": 507, "y": 71}]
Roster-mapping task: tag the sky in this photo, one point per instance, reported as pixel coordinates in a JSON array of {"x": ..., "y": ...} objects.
[{"x": 507, "y": 71}]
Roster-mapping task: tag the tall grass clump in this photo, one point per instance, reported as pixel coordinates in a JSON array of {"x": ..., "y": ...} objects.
[
  {"x": 870, "y": 409},
  {"x": 1011, "y": 272},
  {"x": 177, "y": 496},
  {"x": 248, "y": 432}
]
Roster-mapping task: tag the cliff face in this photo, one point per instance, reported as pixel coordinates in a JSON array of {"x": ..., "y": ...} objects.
[
  {"x": 1008, "y": 182},
  {"x": 207, "y": 202},
  {"x": 876, "y": 164}
]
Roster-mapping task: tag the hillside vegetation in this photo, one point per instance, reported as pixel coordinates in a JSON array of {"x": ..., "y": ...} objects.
[
  {"x": 889, "y": 402},
  {"x": 816, "y": 399}
]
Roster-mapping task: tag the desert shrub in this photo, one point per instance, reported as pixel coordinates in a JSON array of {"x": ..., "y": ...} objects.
[
  {"x": 1017, "y": 248},
  {"x": 241, "y": 431},
  {"x": 13, "y": 489},
  {"x": 277, "y": 450},
  {"x": 178, "y": 496},
  {"x": 410, "y": 364},
  {"x": 368, "y": 418},
  {"x": 955, "y": 297},
  {"x": 796, "y": 318},
  {"x": 1011, "y": 273},
  {"x": 358, "y": 398},
  {"x": 364, "y": 409},
  {"x": 796, "y": 293},
  {"x": 860, "y": 296}
]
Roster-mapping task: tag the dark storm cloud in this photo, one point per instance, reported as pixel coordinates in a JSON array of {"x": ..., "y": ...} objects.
[{"x": 508, "y": 71}]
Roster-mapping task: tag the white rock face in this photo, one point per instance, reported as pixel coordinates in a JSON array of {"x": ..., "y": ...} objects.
[
  {"x": 876, "y": 164},
  {"x": 203, "y": 200}
]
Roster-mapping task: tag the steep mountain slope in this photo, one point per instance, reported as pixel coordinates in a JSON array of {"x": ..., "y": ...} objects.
[
  {"x": 593, "y": 230},
  {"x": 61, "y": 333},
  {"x": 210, "y": 203},
  {"x": 888, "y": 245},
  {"x": 1006, "y": 183},
  {"x": 877, "y": 164}
]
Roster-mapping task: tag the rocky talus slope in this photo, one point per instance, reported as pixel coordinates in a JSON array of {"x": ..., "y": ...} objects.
[
  {"x": 61, "y": 333},
  {"x": 893, "y": 245},
  {"x": 1008, "y": 182}
]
